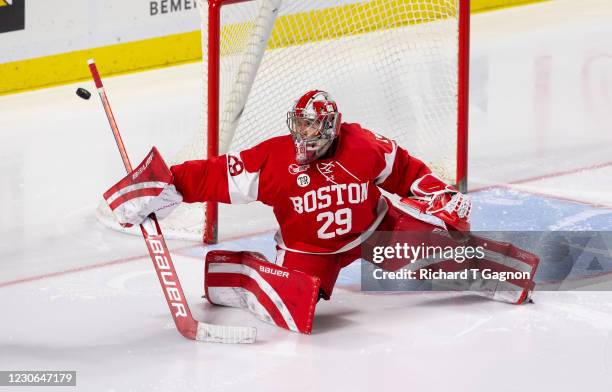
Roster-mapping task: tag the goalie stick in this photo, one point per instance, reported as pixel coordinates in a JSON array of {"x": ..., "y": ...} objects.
[{"x": 151, "y": 231}]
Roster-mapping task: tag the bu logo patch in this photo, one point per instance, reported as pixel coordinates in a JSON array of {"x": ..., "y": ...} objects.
[
  {"x": 12, "y": 15},
  {"x": 234, "y": 166}
]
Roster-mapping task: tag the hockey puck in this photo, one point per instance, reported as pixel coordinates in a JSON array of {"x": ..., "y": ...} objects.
[{"x": 81, "y": 92}]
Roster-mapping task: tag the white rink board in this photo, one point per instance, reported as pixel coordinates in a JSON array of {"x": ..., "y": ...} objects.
[{"x": 54, "y": 27}]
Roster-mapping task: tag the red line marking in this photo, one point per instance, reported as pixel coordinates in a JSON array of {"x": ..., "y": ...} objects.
[
  {"x": 71, "y": 270},
  {"x": 563, "y": 198},
  {"x": 547, "y": 195},
  {"x": 561, "y": 173},
  {"x": 544, "y": 177},
  {"x": 254, "y": 234},
  {"x": 116, "y": 262}
]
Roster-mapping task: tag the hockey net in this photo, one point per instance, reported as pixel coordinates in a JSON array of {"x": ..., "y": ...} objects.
[{"x": 393, "y": 66}]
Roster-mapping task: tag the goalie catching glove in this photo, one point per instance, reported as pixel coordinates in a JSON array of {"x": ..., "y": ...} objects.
[
  {"x": 145, "y": 190},
  {"x": 434, "y": 198}
]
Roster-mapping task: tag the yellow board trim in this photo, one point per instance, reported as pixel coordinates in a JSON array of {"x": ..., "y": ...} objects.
[
  {"x": 113, "y": 59},
  {"x": 63, "y": 68}
]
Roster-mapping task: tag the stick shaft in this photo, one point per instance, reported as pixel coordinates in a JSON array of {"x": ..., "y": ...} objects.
[
  {"x": 109, "y": 115},
  {"x": 162, "y": 261},
  {"x": 152, "y": 234}
]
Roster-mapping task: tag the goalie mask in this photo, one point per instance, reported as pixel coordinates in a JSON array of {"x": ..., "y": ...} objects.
[{"x": 314, "y": 123}]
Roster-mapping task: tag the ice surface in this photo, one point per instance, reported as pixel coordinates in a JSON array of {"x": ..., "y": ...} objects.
[{"x": 75, "y": 295}]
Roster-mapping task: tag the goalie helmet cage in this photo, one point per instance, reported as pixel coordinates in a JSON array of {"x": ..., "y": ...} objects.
[{"x": 399, "y": 67}]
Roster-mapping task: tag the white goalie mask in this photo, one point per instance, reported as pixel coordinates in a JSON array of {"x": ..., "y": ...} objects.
[{"x": 314, "y": 123}]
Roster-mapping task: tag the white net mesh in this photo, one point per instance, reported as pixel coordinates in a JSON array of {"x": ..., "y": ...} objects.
[{"x": 391, "y": 66}]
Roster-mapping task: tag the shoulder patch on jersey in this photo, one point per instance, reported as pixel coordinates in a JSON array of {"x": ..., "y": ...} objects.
[
  {"x": 303, "y": 180},
  {"x": 294, "y": 168}
]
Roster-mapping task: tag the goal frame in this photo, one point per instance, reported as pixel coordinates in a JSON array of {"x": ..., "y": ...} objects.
[{"x": 210, "y": 232}]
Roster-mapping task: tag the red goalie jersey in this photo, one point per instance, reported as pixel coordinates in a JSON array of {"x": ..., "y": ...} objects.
[{"x": 328, "y": 206}]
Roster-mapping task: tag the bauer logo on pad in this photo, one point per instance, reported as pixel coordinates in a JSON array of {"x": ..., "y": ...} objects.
[{"x": 12, "y": 15}]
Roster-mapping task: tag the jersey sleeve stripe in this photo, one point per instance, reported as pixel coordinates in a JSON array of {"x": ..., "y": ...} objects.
[{"x": 389, "y": 161}]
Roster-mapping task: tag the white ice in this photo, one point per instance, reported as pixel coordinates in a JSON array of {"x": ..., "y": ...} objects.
[{"x": 77, "y": 296}]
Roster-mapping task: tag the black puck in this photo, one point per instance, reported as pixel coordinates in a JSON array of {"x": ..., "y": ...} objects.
[{"x": 81, "y": 92}]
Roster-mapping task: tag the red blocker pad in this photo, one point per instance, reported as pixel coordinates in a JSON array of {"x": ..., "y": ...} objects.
[{"x": 274, "y": 294}]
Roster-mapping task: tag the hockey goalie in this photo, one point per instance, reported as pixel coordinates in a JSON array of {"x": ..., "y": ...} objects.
[{"x": 323, "y": 181}]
